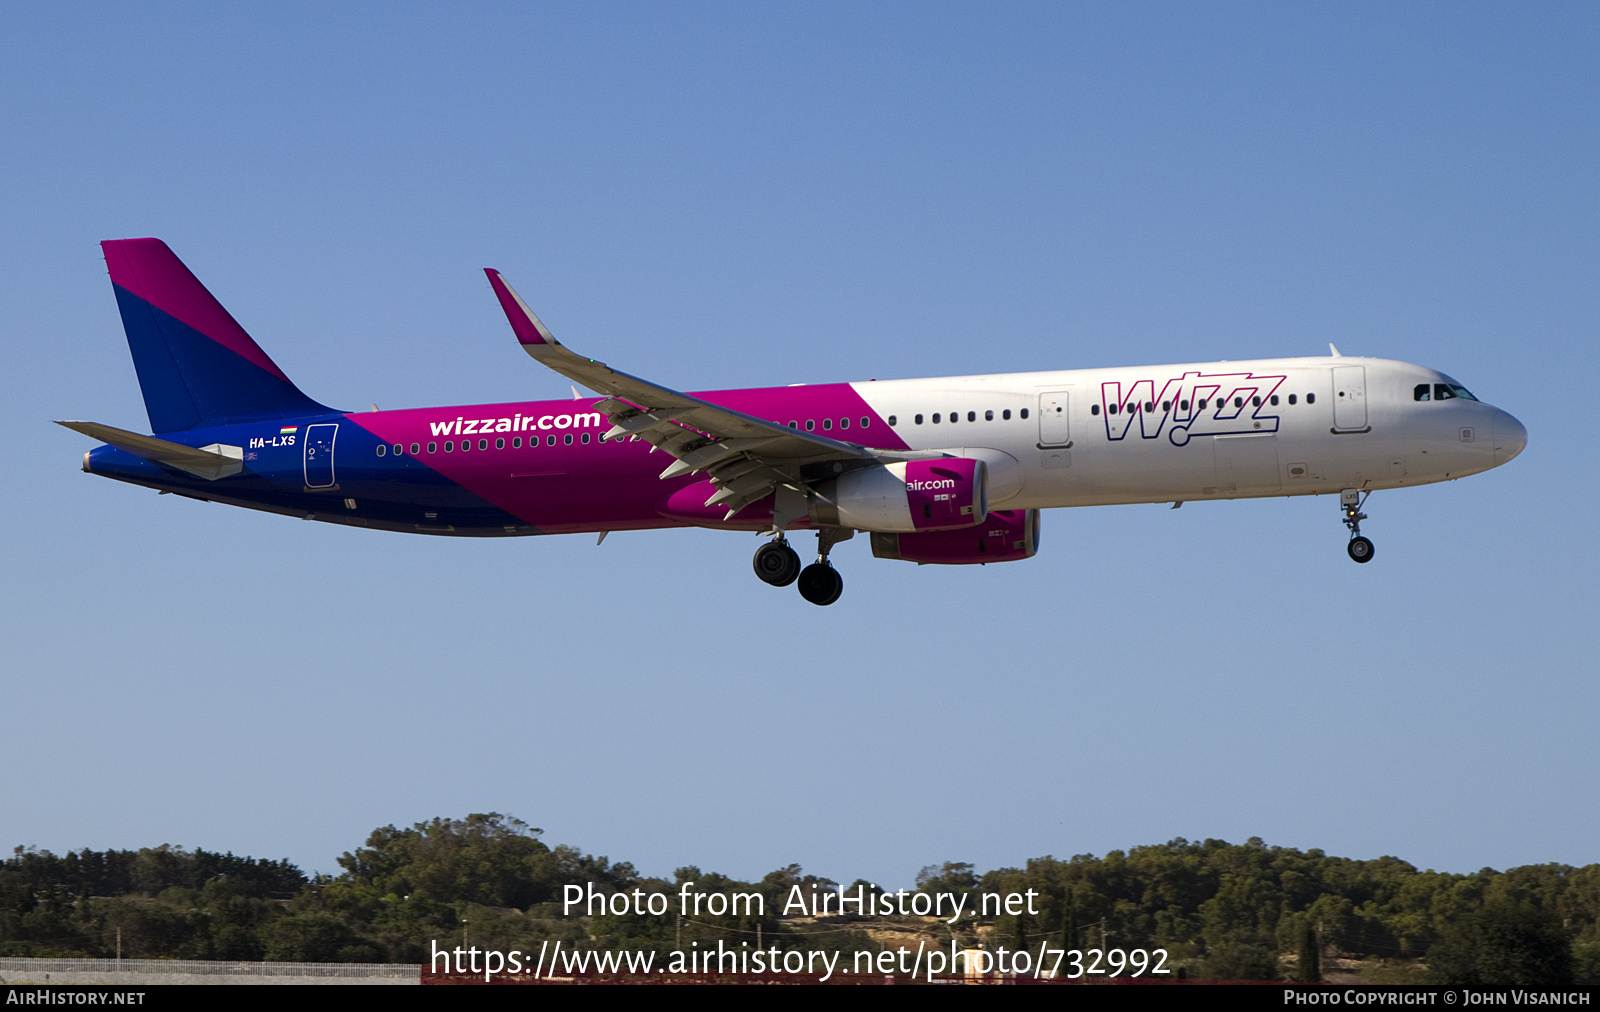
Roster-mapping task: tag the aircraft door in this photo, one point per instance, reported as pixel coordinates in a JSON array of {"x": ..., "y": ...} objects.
[
  {"x": 1350, "y": 398},
  {"x": 1055, "y": 422},
  {"x": 319, "y": 455}
]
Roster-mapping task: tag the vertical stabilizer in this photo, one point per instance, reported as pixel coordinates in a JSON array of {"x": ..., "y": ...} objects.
[{"x": 197, "y": 367}]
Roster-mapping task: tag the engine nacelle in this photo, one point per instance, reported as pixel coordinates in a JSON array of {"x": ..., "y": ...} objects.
[
  {"x": 916, "y": 495},
  {"x": 1007, "y": 535}
]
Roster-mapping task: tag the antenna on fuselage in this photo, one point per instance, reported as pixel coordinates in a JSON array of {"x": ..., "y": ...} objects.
[{"x": 1334, "y": 350}]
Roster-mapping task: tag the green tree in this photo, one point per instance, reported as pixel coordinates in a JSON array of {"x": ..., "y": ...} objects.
[{"x": 1506, "y": 943}]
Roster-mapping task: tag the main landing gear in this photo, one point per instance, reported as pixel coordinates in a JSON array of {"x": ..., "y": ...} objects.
[
  {"x": 778, "y": 564},
  {"x": 1351, "y": 501}
]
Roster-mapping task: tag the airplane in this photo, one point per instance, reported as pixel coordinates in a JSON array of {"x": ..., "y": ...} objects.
[{"x": 950, "y": 471}]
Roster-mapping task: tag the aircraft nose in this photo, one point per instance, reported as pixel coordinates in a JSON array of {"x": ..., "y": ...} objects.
[{"x": 1509, "y": 437}]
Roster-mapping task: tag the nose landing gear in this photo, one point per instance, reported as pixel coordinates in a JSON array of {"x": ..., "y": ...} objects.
[{"x": 1351, "y": 500}]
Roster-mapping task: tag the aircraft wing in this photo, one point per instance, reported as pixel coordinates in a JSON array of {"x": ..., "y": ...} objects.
[{"x": 747, "y": 458}]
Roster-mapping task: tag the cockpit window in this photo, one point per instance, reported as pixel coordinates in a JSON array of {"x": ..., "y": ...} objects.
[
  {"x": 1420, "y": 393},
  {"x": 1451, "y": 389}
]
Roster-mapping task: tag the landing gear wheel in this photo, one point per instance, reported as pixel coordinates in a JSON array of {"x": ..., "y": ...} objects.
[
  {"x": 1360, "y": 549},
  {"x": 776, "y": 563},
  {"x": 1350, "y": 503},
  {"x": 820, "y": 583}
]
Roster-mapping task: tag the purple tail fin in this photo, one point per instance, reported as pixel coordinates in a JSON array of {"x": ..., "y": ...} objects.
[{"x": 197, "y": 367}]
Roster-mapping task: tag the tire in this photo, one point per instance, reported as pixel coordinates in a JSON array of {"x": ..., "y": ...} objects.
[
  {"x": 776, "y": 563},
  {"x": 1360, "y": 549},
  {"x": 821, "y": 584}
]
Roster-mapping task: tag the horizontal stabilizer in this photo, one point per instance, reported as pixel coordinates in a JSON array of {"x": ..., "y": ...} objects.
[{"x": 209, "y": 462}]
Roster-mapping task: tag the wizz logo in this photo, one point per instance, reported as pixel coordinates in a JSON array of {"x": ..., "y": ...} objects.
[{"x": 1197, "y": 404}]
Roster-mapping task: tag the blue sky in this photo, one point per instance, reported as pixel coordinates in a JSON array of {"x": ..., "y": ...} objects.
[{"x": 716, "y": 196}]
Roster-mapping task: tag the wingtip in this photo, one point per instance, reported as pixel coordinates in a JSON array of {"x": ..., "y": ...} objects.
[{"x": 524, "y": 324}]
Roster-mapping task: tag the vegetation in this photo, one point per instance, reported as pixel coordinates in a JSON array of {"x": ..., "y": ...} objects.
[{"x": 1222, "y": 911}]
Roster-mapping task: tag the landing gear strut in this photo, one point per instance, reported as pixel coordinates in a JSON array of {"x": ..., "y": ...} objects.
[
  {"x": 776, "y": 563},
  {"x": 820, "y": 583},
  {"x": 1351, "y": 500}
]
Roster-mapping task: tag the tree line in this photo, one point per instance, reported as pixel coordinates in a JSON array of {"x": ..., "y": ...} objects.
[{"x": 1222, "y": 911}]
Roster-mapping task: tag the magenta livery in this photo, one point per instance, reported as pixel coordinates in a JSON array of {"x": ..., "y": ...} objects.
[{"x": 947, "y": 471}]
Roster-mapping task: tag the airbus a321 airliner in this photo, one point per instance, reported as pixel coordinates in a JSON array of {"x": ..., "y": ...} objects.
[{"x": 945, "y": 471}]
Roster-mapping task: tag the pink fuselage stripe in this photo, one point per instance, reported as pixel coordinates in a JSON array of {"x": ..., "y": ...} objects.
[{"x": 595, "y": 486}]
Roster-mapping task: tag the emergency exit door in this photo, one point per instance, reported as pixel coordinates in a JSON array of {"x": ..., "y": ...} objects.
[{"x": 1055, "y": 424}]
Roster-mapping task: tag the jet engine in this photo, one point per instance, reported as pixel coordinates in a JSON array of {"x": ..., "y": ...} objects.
[
  {"x": 918, "y": 495},
  {"x": 1005, "y": 536}
]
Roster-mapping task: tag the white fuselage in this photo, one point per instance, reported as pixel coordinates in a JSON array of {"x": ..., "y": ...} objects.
[{"x": 1297, "y": 426}]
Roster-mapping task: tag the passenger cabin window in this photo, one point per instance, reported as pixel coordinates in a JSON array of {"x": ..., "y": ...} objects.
[
  {"x": 1023, "y": 413},
  {"x": 383, "y": 448},
  {"x": 399, "y": 449},
  {"x": 988, "y": 416},
  {"x": 1291, "y": 398},
  {"x": 918, "y": 419},
  {"x": 972, "y": 416},
  {"x": 811, "y": 424},
  {"x": 433, "y": 447},
  {"x": 1094, "y": 409},
  {"x": 415, "y": 448},
  {"x": 585, "y": 439},
  {"x": 1274, "y": 400},
  {"x": 449, "y": 446},
  {"x": 1311, "y": 398},
  {"x": 516, "y": 442},
  {"x": 865, "y": 421},
  {"x": 483, "y": 444},
  {"x": 936, "y": 418},
  {"x": 827, "y": 424},
  {"x": 893, "y": 420},
  {"x": 1006, "y": 414}
]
